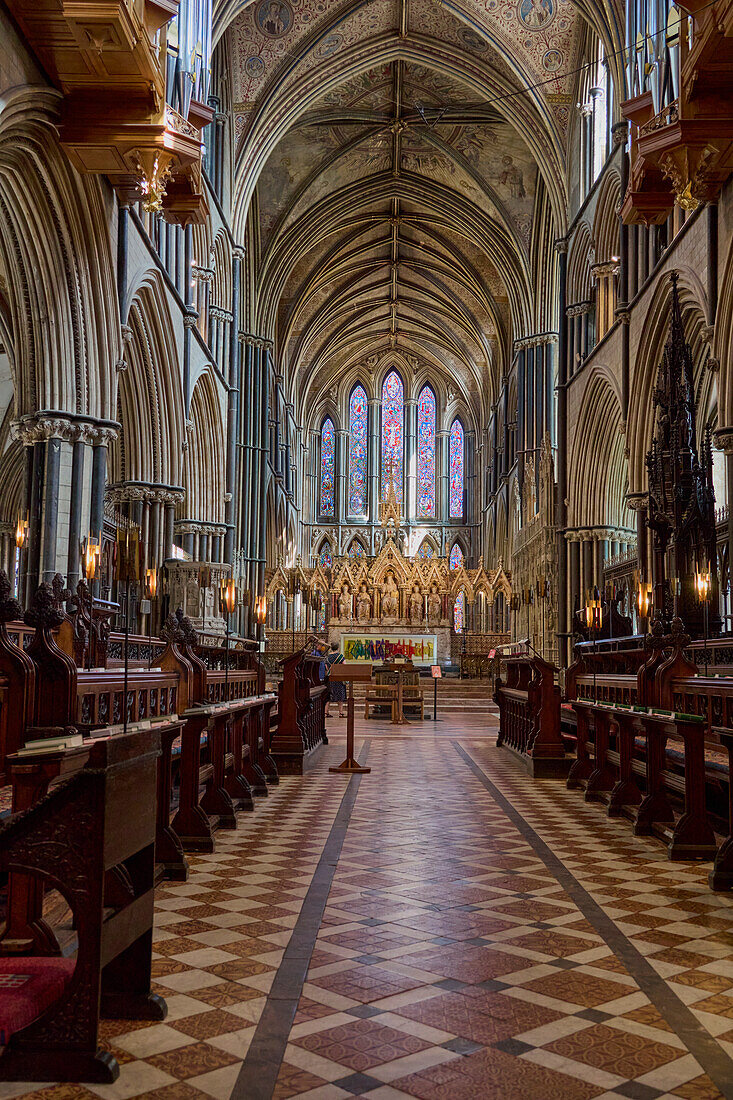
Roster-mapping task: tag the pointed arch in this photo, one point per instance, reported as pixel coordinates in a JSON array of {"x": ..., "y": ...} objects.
[
  {"x": 204, "y": 470},
  {"x": 327, "y": 469},
  {"x": 456, "y": 470},
  {"x": 393, "y": 434},
  {"x": 456, "y": 558},
  {"x": 426, "y": 427},
  {"x": 358, "y": 441}
]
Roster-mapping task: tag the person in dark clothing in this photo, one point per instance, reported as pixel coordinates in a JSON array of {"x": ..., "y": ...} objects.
[{"x": 336, "y": 688}]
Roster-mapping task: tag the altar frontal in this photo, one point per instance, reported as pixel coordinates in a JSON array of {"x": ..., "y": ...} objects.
[{"x": 421, "y": 649}]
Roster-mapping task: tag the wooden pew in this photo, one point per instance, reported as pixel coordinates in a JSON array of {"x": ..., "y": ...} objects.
[
  {"x": 529, "y": 716},
  {"x": 616, "y": 745},
  {"x": 301, "y": 728},
  {"x": 101, "y": 819}
]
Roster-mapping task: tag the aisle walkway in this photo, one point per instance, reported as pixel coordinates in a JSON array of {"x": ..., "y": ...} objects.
[{"x": 441, "y": 928}]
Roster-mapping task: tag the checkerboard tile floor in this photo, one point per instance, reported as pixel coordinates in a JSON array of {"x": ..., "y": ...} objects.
[{"x": 450, "y": 962}]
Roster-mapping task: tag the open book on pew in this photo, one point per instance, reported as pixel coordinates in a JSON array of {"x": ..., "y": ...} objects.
[{"x": 50, "y": 744}]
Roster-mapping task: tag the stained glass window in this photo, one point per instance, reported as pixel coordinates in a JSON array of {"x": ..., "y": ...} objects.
[
  {"x": 456, "y": 470},
  {"x": 325, "y": 558},
  {"x": 356, "y": 550},
  {"x": 426, "y": 550},
  {"x": 393, "y": 408},
  {"x": 456, "y": 558},
  {"x": 328, "y": 467},
  {"x": 358, "y": 452},
  {"x": 426, "y": 454},
  {"x": 459, "y": 613}
]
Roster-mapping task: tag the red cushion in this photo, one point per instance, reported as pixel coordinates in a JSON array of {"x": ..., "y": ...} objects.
[{"x": 27, "y": 987}]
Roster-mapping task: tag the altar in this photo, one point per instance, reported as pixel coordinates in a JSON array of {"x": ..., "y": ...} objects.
[{"x": 374, "y": 644}]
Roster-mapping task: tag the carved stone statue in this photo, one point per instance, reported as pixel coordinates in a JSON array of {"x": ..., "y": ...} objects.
[
  {"x": 193, "y": 597},
  {"x": 390, "y": 599},
  {"x": 417, "y": 606},
  {"x": 363, "y": 605},
  {"x": 435, "y": 606},
  {"x": 344, "y": 604}
]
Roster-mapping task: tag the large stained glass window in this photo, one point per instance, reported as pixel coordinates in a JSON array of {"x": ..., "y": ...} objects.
[
  {"x": 325, "y": 558},
  {"x": 456, "y": 470},
  {"x": 358, "y": 452},
  {"x": 456, "y": 558},
  {"x": 459, "y": 613},
  {"x": 426, "y": 454},
  {"x": 426, "y": 550},
  {"x": 393, "y": 410},
  {"x": 328, "y": 467}
]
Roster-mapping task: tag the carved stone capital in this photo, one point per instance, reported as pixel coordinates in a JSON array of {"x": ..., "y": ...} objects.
[
  {"x": 637, "y": 502},
  {"x": 561, "y": 244},
  {"x": 619, "y": 133},
  {"x": 604, "y": 270},
  {"x": 190, "y": 317},
  {"x": 724, "y": 440},
  {"x": 202, "y": 274},
  {"x": 219, "y": 314}
]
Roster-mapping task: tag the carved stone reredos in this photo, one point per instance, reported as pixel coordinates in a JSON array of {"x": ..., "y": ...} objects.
[
  {"x": 43, "y": 612},
  {"x": 10, "y": 609}
]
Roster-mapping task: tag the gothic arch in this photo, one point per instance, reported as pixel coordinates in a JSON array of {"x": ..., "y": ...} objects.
[
  {"x": 598, "y": 445},
  {"x": 605, "y": 222},
  {"x": 150, "y": 394},
  {"x": 655, "y": 330},
  {"x": 204, "y": 472},
  {"x": 56, "y": 263}
]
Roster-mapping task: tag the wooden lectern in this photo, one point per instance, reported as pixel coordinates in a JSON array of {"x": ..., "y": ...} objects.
[{"x": 350, "y": 671}]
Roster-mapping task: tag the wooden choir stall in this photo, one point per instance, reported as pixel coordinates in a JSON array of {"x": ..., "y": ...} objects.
[{"x": 117, "y": 770}]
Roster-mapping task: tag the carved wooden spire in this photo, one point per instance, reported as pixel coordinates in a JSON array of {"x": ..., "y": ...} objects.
[{"x": 681, "y": 497}]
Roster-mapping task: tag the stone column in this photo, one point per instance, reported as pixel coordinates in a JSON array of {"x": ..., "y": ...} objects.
[
  {"x": 75, "y": 509},
  {"x": 341, "y": 508},
  {"x": 373, "y": 458},
  {"x": 442, "y": 438},
  {"x": 563, "y": 587},
  {"x": 724, "y": 439},
  {"x": 410, "y": 512}
]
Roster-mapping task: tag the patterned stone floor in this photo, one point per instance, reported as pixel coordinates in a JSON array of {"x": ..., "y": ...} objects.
[{"x": 442, "y": 928}]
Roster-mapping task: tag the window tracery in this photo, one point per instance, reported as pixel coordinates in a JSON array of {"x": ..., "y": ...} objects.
[
  {"x": 426, "y": 454},
  {"x": 328, "y": 467},
  {"x": 456, "y": 464},
  {"x": 456, "y": 559},
  {"x": 393, "y": 415},
  {"x": 358, "y": 433}
]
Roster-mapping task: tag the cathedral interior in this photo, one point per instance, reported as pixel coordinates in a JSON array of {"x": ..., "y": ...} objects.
[{"x": 366, "y": 395}]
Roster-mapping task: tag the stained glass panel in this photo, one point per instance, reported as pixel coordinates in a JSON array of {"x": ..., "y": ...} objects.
[
  {"x": 325, "y": 558},
  {"x": 393, "y": 409},
  {"x": 358, "y": 452},
  {"x": 459, "y": 613},
  {"x": 426, "y": 454},
  {"x": 356, "y": 550},
  {"x": 456, "y": 470},
  {"x": 456, "y": 558},
  {"x": 328, "y": 467},
  {"x": 426, "y": 550}
]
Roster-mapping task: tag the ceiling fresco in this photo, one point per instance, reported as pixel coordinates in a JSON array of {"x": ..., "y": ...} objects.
[{"x": 394, "y": 156}]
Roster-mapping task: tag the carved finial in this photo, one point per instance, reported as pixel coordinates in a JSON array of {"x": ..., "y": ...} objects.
[
  {"x": 43, "y": 612},
  {"x": 10, "y": 609},
  {"x": 186, "y": 628},
  {"x": 171, "y": 630},
  {"x": 60, "y": 591}
]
